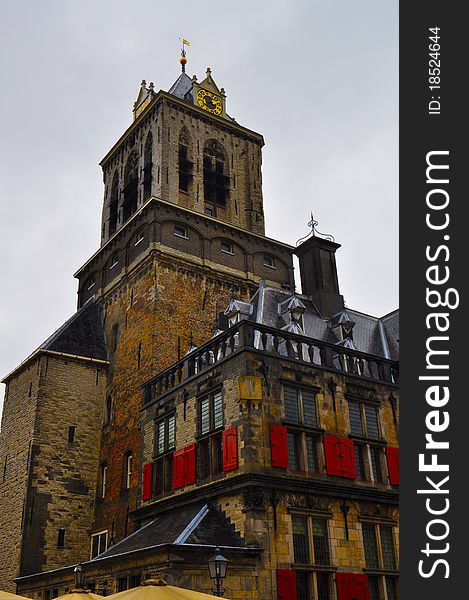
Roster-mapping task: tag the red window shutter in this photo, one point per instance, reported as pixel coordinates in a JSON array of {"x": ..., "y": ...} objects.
[
  {"x": 347, "y": 456},
  {"x": 189, "y": 464},
  {"x": 178, "y": 469},
  {"x": 392, "y": 456},
  {"x": 230, "y": 449},
  {"x": 279, "y": 446},
  {"x": 340, "y": 457},
  {"x": 147, "y": 481},
  {"x": 286, "y": 584},
  {"x": 332, "y": 451},
  {"x": 352, "y": 586}
]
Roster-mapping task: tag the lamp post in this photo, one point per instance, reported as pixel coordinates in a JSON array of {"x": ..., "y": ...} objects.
[
  {"x": 217, "y": 566},
  {"x": 79, "y": 575}
]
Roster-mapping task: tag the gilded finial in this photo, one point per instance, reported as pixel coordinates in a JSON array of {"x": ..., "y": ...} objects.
[{"x": 183, "y": 58}]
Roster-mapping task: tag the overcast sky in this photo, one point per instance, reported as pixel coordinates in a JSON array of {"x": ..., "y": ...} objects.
[{"x": 318, "y": 78}]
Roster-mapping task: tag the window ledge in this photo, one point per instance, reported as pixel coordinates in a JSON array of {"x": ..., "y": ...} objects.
[
  {"x": 302, "y": 567},
  {"x": 368, "y": 440}
]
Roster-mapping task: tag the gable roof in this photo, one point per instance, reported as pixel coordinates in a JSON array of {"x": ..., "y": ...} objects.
[{"x": 195, "y": 524}]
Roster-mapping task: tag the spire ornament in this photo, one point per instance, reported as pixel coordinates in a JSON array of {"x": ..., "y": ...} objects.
[
  {"x": 183, "y": 58},
  {"x": 314, "y": 232}
]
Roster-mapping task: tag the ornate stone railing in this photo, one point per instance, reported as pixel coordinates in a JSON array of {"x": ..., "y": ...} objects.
[{"x": 248, "y": 335}]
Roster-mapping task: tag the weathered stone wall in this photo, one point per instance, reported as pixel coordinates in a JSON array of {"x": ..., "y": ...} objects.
[
  {"x": 16, "y": 439},
  {"x": 159, "y": 302},
  {"x": 63, "y": 473}
]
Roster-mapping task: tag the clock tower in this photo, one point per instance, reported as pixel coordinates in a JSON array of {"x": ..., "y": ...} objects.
[{"x": 184, "y": 148}]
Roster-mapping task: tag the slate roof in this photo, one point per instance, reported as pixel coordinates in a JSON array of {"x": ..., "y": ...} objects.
[
  {"x": 182, "y": 88},
  {"x": 81, "y": 335},
  {"x": 195, "y": 524},
  {"x": 373, "y": 335}
]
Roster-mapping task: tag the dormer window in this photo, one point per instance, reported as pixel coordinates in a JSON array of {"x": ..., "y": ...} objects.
[
  {"x": 269, "y": 262},
  {"x": 180, "y": 231}
]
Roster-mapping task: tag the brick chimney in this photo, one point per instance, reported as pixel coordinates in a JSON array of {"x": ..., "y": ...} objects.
[{"x": 318, "y": 273}]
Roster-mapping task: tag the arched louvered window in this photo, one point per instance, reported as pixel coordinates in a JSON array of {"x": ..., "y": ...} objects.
[
  {"x": 130, "y": 186},
  {"x": 147, "y": 167},
  {"x": 216, "y": 180},
  {"x": 185, "y": 164},
  {"x": 113, "y": 205}
]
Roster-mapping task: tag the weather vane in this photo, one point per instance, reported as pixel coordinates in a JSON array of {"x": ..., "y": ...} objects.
[
  {"x": 313, "y": 224},
  {"x": 183, "y": 59}
]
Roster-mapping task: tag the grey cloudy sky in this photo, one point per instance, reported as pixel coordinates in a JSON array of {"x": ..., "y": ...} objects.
[{"x": 318, "y": 78}]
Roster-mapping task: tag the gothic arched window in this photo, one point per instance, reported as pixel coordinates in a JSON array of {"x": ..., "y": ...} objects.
[
  {"x": 216, "y": 180},
  {"x": 185, "y": 164},
  {"x": 113, "y": 205},
  {"x": 130, "y": 186},
  {"x": 147, "y": 167}
]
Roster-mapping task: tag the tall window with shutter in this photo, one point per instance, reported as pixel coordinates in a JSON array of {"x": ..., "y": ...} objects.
[
  {"x": 368, "y": 443},
  {"x": 303, "y": 433},
  {"x": 210, "y": 438},
  {"x": 165, "y": 442}
]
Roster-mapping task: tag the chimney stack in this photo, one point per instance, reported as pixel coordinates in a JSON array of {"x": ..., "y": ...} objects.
[{"x": 318, "y": 273}]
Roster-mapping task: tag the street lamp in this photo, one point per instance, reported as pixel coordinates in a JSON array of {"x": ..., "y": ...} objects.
[
  {"x": 217, "y": 567},
  {"x": 79, "y": 575}
]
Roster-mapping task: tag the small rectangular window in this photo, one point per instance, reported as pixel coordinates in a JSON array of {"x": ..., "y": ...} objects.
[
  {"x": 103, "y": 480},
  {"x": 71, "y": 434},
  {"x": 226, "y": 247},
  {"x": 127, "y": 470},
  {"x": 208, "y": 211},
  {"x": 61, "y": 538},
  {"x": 140, "y": 238},
  {"x": 180, "y": 231},
  {"x": 269, "y": 262}
]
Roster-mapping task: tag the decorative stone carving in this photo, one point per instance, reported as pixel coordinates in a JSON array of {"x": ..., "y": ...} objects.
[
  {"x": 308, "y": 501},
  {"x": 253, "y": 498}
]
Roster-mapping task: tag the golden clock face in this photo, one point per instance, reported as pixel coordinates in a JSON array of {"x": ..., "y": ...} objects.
[{"x": 209, "y": 101}]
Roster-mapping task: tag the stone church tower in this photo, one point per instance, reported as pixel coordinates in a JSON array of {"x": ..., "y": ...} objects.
[{"x": 182, "y": 234}]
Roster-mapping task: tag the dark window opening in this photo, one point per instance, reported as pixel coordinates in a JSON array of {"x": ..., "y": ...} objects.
[
  {"x": 185, "y": 169},
  {"x": 269, "y": 262},
  {"x": 130, "y": 186},
  {"x": 216, "y": 180},
  {"x": 55, "y": 593},
  {"x": 113, "y": 206},
  {"x": 147, "y": 167},
  {"x": 61, "y": 538},
  {"x": 71, "y": 434},
  {"x": 122, "y": 584}
]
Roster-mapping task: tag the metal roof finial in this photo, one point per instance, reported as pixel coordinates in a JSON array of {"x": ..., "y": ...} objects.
[
  {"x": 312, "y": 224},
  {"x": 183, "y": 59}
]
